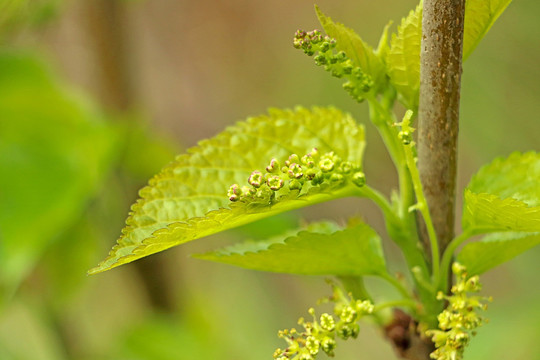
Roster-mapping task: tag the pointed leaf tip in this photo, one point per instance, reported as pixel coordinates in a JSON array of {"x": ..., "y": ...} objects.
[{"x": 188, "y": 199}]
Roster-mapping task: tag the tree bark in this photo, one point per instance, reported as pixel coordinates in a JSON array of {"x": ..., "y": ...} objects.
[
  {"x": 438, "y": 112},
  {"x": 438, "y": 125}
]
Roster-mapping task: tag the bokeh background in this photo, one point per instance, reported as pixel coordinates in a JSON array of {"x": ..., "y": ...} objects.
[{"x": 96, "y": 96}]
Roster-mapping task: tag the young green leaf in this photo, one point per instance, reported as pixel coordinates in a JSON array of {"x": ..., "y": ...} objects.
[
  {"x": 353, "y": 251},
  {"x": 504, "y": 196},
  {"x": 480, "y": 15},
  {"x": 495, "y": 249},
  {"x": 188, "y": 199},
  {"x": 403, "y": 58},
  {"x": 383, "y": 47},
  {"x": 321, "y": 227},
  {"x": 361, "y": 53},
  {"x": 484, "y": 213}
]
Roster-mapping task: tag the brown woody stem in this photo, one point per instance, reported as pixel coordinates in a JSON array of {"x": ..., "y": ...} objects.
[
  {"x": 438, "y": 119},
  {"x": 438, "y": 112}
]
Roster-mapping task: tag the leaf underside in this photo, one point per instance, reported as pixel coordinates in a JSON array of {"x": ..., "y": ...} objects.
[
  {"x": 504, "y": 196},
  {"x": 188, "y": 199},
  {"x": 480, "y": 15},
  {"x": 403, "y": 58},
  {"x": 354, "y": 251},
  {"x": 495, "y": 249}
]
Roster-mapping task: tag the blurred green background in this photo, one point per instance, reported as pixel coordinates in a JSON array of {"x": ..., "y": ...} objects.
[{"x": 96, "y": 96}]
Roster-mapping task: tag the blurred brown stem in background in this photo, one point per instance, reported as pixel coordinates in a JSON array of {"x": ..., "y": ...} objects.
[{"x": 108, "y": 26}]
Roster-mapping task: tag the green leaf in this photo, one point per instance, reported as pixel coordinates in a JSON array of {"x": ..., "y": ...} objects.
[
  {"x": 322, "y": 227},
  {"x": 55, "y": 151},
  {"x": 485, "y": 213},
  {"x": 495, "y": 249},
  {"x": 403, "y": 58},
  {"x": 188, "y": 199},
  {"x": 269, "y": 227},
  {"x": 504, "y": 196},
  {"x": 384, "y": 47},
  {"x": 353, "y": 251},
  {"x": 360, "y": 53},
  {"x": 480, "y": 15}
]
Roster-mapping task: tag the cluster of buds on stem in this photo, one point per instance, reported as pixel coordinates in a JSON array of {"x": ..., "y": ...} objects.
[
  {"x": 336, "y": 62},
  {"x": 295, "y": 173},
  {"x": 320, "y": 334},
  {"x": 457, "y": 323}
]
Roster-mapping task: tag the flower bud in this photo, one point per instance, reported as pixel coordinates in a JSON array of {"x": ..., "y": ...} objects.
[
  {"x": 367, "y": 83},
  {"x": 326, "y": 164},
  {"x": 328, "y": 345},
  {"x": 348, "y": 86},
  {"x": 308, "y": 161},
  {"x": 347, "y": 67},
  {"x": 359, "y": 179},
  {"x": 336, "y": 178},
  {"x": 320, "y": 60},
  {"x": 293, "y": 158},
  {"x": 341, "y": 56},
  {"x": 345, "y": 331},
  {"x": 256, "y": 179},
  {"x": 458, "y": 269},
  {"x": 327, "y": 322},
  {"x": 318, "y": 178},
  {"x": 234, "y": 192},
  {"x": 248, "y": 191},
  {"x": 312, "y": 345},
  {"x": 348, "y": 314},
  {"x": 295, "y": 184},
  {"x": 358, "y": 73},
  {"x": 324, "y": 47},
  {"x": 274, "y": 182},
  {"x": 295, "y": 171},
  {"x": 310, "y": 174},
  {"x": 314, "y": 153},
  {"x": 473, "y": 284},
  {"x": 300, "y": 34},
  {"x": 264, "y": 193},
  {"x": 405, "y": 137},
  {"x": 355, "y": 330},
  {"x": 345, "y": 167},
  {"x": 273, "y": 167},
  {"x": 365, "y": 307}
]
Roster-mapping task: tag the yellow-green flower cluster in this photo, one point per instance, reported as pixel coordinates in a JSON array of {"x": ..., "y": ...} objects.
[
  {"x": 296, "y": 172},
  {"x": 337, "y": 63},
  {"x": 320, "y": 334},
  {"x": 459, "y": 320}
]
